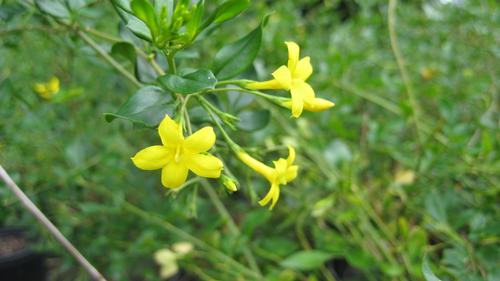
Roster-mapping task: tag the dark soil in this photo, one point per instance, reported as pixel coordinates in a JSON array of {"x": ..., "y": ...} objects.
[{"x": 11, "y": 244}]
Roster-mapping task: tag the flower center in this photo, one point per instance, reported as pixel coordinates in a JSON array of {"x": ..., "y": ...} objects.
[
  {"x": 281, "y": 178},
  {"x": 280, "y": 171},
  {"x": 177, "y": 155}
]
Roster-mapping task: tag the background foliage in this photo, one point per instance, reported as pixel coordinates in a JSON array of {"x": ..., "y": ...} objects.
[{"x": 372, "y": 198}]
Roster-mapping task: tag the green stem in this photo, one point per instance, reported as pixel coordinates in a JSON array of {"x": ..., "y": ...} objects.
[
  {"x": 43, "y": 28},
  {"x": 108, "y": 58},
  {"x": 307, "y": 246},
  {"x": 156, "y": 220},
  {"x": 171, "y": 63},
  {"x": 274, "y": 99},
  {"x": 416, "y": 112},
  {"x": 233, "y": 82},
  {"x": 232, "y": 145},
  {"x": 230, "y": 223},
  {"x": 139, "y": 51},
  {"x": 426, "y": 125}
]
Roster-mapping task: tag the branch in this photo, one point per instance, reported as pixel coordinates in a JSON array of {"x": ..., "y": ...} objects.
[
  {"x": 416, "y": 111},
  {"x": 108, "y": 58},
  {"x": 92, "y": 271}
]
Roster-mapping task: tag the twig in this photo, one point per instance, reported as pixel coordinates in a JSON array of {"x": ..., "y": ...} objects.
[
  {"x": 161, "y": 222},
  {"x": 416, "y": 112},
  {"x": 29, "y": 28},
  {"x": 230, "y": 223},
  {"x": 139, "y": 51},
  {"x": 108, "y": 58},
  {"x": 92, "y": 271}
]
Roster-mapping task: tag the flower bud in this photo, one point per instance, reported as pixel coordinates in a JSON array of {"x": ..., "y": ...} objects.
[{"x": 229, "y": 183}]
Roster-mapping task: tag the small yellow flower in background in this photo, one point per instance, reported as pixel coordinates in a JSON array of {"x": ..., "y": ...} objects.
[
  {"x": 177, "y": 155},
  {"x": 182, "y": 248},
  {"x": 167, "y": 260},
  {"x": 293, "y": 78},
  {"x": 404, "y": 177},
  {"x": 283, "y": 172},
  {"x": 49, "y": 89},
  {"x": 427, "y": 73}
]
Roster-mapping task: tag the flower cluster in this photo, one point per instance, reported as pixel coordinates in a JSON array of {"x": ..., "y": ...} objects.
[
  {"x": 49, "y": 89},
  {"x": 177, "y": 155}
]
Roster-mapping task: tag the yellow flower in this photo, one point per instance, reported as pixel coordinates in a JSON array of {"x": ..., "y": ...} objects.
[
  {"x": 49, "y": 89},
  {"x": 283, "y": 172},
  {"x": 293, "y": 78},
  {"x": 167, "y": 260},
  {"x": 177, "y": 155}
]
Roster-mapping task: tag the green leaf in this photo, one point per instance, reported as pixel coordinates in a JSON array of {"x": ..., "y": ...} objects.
[
  {"x": 122, "y": 4},
  {"x": 147, "y": 106},
  {"x": 229, "y": 10},
  {"x": 124, "y": 51},
  {"x": 359, "y": 258},
  {"x": 427, "y": 271},
  {"x": 145, "y": 11},
  {"x": 53, "y": 8},
  {"x": 196, "y": 81},
  {"x": 234, "y": 58},
  {"x": 306, "y": 260},
  {"x": 254, "y": 120},
  {"x": 139, "y": 28},
  {"x": 392, "y": 270}
]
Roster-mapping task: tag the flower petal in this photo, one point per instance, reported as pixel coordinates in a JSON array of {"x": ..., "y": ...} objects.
[
  {"x": 201, "y": 141},
  {"x": 318, "y": 104},
  {"x": 273, "y": 194},
  {"x": 207, "y": 166},
  {"x": 164, "y": 256},
  {"x": 256, "y": 165},
  {"x": 266, "y": 85},
  {"x": 174, "y": 174},
  {"x": 305, "y": 90},
  {"x": 303, "y": 69},
  {"x": 53, "y": 85},
  {"x": 283, "y": 76},
  {"x": 40, "y": 88},
  {"x": 291, "y": 173},
  {"x": 297, "y": 105},
  {"x": 293, "y": 54},
  {"x": 152, "y": 158},
  {"x": 170, "y": 132},
  {"x": 301, "y": 91}
]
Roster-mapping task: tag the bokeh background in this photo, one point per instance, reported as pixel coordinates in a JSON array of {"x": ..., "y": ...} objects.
[{"x": 373, "y": 196}]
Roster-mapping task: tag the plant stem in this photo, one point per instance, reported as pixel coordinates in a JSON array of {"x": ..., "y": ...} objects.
[
  {"x": 44, "y": 28},
  {"x": 139, "y": 51},
  {"x": 207, "y": 106},
  {"x": 156, "y": 220},
  {"x": 416, "y": 112},
  {"x": 184, "y": 235},
  {"x": 233, "y": 82},
  {"x": 230, "y": 223},
  {"x": 108, "y": 58},
  {"x": 274, "y": 99},
  {"x": 171, "y": 63},
  {"x": 425, "y": 126},
  {"x": 307, "y": 246},
  {"x": 33, "y": 209}
]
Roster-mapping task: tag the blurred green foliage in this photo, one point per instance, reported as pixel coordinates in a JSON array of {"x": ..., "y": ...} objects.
[{"x": 372, "y": 198}]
